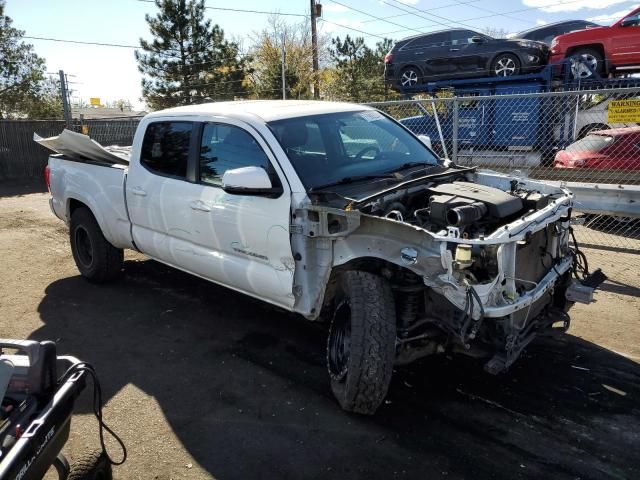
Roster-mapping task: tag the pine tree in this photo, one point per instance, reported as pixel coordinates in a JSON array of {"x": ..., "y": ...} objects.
[
  {"x": 24, "y": 91},
  {"x": 359, "y": 70},
  {"x": 188, "y": 61}
]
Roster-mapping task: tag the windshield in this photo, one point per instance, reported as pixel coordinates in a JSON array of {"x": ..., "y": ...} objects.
[
  {"x": 591, "y": 143},
  {"x": 333, "y": 147}
]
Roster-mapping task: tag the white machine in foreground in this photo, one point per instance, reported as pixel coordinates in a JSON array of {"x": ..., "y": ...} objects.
[{"x": 336, "y": 212}]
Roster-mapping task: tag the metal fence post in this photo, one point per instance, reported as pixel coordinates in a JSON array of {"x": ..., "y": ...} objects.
[{"x": 455, "y": 127}]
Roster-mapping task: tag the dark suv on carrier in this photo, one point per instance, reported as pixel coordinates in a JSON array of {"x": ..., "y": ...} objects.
[{"x": 453, "y": 54}]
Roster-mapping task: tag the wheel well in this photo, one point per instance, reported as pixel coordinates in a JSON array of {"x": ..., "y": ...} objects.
[
  {"x": 505, "y": 52},
  {"x": 411, "y": 65},
  {"x": 591, "y": 127},
  {"x": 594, "y": 46},
  {"x": 395, "y": 274},
  {"x": 74, "y": 205}
]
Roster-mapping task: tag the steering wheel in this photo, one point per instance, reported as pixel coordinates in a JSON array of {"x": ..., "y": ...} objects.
[{"x": 361, "y": 153}]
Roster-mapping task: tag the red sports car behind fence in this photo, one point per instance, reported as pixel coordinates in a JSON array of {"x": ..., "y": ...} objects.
[{"x": 616, "y": 149}]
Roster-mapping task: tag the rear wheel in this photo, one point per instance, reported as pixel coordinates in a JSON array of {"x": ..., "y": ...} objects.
[
  {"x": 361, "y": 343},
  {"x": 409, "y": 77},
  {"x": 585, "y": 62},
  {"x": 505, "y": 65},
  {"x": 97, "y": 260}
]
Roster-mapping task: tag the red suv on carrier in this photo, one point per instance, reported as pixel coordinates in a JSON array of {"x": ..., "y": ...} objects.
[{"x": 603, "y": 49}]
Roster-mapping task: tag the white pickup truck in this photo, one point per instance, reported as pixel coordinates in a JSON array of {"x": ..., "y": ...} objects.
[{"x": 339, "y": 213}]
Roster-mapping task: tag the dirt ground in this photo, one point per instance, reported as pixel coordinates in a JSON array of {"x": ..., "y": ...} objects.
[{"x": 201, "y": 382}]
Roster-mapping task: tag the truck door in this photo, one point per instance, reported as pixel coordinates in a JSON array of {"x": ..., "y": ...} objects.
[
  {"x": 625, "y": 41},
  {"x": 240, "y": 241}
]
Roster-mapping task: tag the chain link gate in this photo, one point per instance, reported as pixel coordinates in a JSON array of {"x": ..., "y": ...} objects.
[{"x": 575, "y": 137}]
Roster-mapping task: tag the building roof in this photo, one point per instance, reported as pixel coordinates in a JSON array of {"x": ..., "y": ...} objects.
[
  {"x": 267, "y": 110},
  {"x": 90, "y": 113}
]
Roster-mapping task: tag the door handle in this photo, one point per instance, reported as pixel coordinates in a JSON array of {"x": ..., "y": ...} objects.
[
  {"x": 418, "y": 53},
  {"x": 138, "y": 191},
  {"x": 454, "y": 49},
  {"x": 199, "y": 205}
]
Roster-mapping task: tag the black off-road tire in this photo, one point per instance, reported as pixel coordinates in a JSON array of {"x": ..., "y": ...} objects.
[
  {"x": 91, "y": 466},
  {"x": 364, "y": 312},
  {"x": 97, "y": 260}
]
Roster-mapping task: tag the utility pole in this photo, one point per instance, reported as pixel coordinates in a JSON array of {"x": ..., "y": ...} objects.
[
  {"x": 316, "y": 11},
  {"x": 284, "y": 78},
  {"x": 64, "y": 92}
]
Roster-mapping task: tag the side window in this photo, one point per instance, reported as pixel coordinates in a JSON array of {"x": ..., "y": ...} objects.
[
  {"x": 430, "y": 41},
  {"x": 165, "y": 148},
  {"x": 225, "y": 147},
  {"x": 461, "y": 37}
]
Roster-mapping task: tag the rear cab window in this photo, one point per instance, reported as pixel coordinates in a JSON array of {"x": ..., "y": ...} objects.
[{"x": 165, "y": 148}]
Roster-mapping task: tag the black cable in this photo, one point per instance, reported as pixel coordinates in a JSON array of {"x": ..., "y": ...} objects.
[
  {"x": 580, "y": 263},
  {"x": 97, "y": 408}
]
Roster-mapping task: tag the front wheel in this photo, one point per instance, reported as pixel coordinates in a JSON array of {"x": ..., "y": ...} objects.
[
  {"x": 361, "y": 344},
  {"x": 585, "y": 62},
  {"x": 505, "y": 65},
  {"x": 91, "y": 466}
]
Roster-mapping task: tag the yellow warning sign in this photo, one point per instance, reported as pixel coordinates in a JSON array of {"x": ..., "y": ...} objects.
[
  {"x": 94, "y": 101},
  {"x": 623, "y": 111}
]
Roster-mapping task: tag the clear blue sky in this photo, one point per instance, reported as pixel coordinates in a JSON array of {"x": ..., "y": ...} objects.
[{"x": 110, "y": 72}]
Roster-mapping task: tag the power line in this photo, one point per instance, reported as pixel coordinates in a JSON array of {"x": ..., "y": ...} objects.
[
  {"x": 352, "y": 28},
  {"x": 523, "y": 10},
  {"x": 377, "y": 18},
  {"x": 497, "y": 13},
  {"x": 448, "y": 20},
  {"x": 427, "y": 10},
  {"x": 81, "y": 42},
  {"x": 119, "y": 45},
  {"x": 241, "y": 10}
]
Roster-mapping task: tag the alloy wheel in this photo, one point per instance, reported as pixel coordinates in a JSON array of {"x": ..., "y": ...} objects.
[
  {"x": 504, "y": 67},
  {"x": 585, "y": 66},
  {"x": 409, "y": 78}
]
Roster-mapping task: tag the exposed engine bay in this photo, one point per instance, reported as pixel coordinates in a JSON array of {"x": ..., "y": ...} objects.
[
  {"x": 474, "y": 210},
  {"x": 479, "y": 263}
]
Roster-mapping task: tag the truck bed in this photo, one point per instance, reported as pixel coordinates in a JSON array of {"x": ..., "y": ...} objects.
[{"x": 98, "y": 184}]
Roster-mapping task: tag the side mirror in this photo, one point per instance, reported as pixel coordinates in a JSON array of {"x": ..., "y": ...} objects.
[
  {"x": 477, "y": 39},
  {"x": 630, "y": 21},
  {"x": 248, "y": 181},
  {"x": 426, "y": 139}
]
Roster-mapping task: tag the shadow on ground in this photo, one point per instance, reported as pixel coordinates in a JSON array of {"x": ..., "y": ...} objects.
[{"x": 244, "y": 387}]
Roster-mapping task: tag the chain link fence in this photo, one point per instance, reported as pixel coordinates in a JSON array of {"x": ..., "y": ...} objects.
[
  {"x": 587, "y": 139},
  {"x": 22, "y": 158},
  {"x": 576, "y": 137}
]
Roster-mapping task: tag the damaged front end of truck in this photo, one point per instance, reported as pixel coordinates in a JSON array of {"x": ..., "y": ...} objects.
[{"x": 479, "y": 263}]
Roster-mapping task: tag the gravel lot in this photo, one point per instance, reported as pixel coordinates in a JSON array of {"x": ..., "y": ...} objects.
[{"x": 201, "y": 382}]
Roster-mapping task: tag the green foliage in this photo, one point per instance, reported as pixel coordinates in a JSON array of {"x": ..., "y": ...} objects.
[
  {"x": 24, "y": 91},
  {"x": 188, "y": 60},
  {"x": 358, "y": 72},
  {"x": 266, "y": 75}
]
